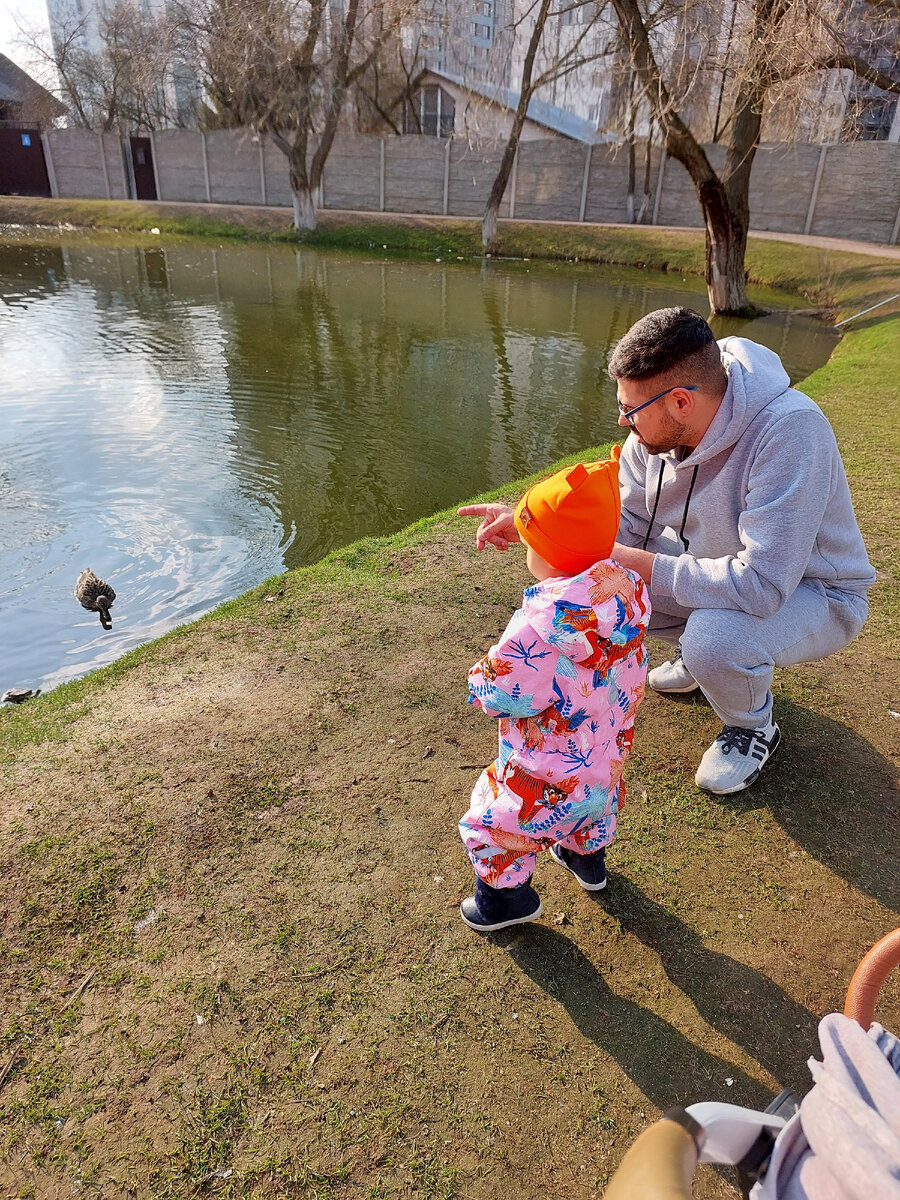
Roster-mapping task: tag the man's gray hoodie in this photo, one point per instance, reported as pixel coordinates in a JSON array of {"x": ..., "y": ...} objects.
[{"x": 761, "y": 504}]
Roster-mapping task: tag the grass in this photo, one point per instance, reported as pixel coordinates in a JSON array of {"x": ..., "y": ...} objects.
[{"x": 306, "y": 1016}]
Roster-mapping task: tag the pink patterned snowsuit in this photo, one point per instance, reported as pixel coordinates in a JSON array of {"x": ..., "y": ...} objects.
[{"x": 565, "y": 679}]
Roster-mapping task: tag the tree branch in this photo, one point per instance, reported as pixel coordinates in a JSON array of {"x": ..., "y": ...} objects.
[
  {"x": 677, "y": 138},
  {"x": 859, "y": 67}
]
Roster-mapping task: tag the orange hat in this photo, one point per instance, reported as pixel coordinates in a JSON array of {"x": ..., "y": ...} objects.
[{"x": 572, "y": 518}]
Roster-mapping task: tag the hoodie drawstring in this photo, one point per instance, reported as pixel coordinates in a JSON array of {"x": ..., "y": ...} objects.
[
  {"x": 687, "y": 505},
  {"x": 684, "y": 515},
  {"x": 655, "y": 505}
]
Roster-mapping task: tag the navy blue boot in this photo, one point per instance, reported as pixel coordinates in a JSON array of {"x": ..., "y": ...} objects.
[
  {"x": 492, "y": 908},
  {"x": 588, "y": 869}
]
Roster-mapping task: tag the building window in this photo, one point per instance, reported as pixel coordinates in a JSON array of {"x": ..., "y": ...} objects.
[
  {"x": 484, "y": 8},
  {"x": 432, "y": 113},
  {"x": 578, "y": 12},
  {"x": 873, "y": 119},
  {"x": 482, "y": 31}
]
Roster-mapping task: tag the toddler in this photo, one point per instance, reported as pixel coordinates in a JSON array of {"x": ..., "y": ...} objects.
[{"x": 565, "y": 681}]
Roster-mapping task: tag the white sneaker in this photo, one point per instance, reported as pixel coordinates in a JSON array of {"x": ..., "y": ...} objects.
[
  {"x": 736, "y": 757},
  {"x": 672, "y": 676}
]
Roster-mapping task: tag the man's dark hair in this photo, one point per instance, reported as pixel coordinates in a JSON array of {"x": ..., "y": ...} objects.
[{"x": 667, "y": 340}]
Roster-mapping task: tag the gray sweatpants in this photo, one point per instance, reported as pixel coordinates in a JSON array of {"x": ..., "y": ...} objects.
[{"x": 733, "y": 656}]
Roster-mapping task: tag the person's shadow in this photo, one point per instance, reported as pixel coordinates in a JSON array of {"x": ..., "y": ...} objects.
[
  {"x": 836, "y": 796},
  {"x": 666, "y": 1066},
  {"x": 739, "y": 1002}
]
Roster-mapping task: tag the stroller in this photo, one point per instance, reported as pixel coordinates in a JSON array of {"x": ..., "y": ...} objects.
[{"x": 845, "y": 1130}]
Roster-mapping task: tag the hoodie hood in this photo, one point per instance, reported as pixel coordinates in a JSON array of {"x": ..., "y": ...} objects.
[{"x": 756, "y": 377}]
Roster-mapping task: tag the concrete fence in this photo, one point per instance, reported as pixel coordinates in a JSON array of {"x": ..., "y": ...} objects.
[{"x": 847, "y": 190}]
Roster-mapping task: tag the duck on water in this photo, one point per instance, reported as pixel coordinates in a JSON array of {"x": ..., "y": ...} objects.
[{"x": 93, "y": 594}]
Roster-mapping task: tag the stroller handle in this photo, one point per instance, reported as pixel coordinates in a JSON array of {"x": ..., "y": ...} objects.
[
  {"x": 659, "y": 1166},
  {"x": 862, "y": 994}
]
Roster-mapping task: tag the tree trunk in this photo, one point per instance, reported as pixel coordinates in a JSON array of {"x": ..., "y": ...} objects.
[
  {"x": 303, "y": 204},
  {"x": 726, "y": 244},
  {"x": 489, "y": 225},
  {"x": 492, "y": 208},
  {"x": 629, "y": 198},
  {"x": 726, "y": 222},
  {"x": 645, "y": 195}
]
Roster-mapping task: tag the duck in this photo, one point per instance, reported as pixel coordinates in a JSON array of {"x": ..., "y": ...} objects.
[
  {"x": 18, "y": 695},
  {"x": 93, "y": 594}
]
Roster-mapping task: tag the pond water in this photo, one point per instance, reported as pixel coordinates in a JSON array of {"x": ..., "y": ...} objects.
[{"x": 189, "y": 420}]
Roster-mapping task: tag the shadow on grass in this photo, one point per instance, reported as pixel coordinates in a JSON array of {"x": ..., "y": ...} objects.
[
  {"x": 667, "y": 1067},
  {"x": 738, "y": 1001},
  {"x": 835, "y": 795}
]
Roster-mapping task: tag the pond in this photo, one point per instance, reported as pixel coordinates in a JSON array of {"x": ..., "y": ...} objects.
[{"x": 188, "y": 419}]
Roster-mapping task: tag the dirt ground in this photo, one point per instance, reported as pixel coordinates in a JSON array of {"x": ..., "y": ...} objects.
[{"x": 232, "y": 959}]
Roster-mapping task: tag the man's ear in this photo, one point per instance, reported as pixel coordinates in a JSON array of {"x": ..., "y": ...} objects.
[{"x": 684, "y": 401}]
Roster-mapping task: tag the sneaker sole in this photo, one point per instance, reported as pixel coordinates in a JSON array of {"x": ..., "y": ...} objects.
[
  {"x": 751, "y": 778},
  {"x": 588, "y": 887},
  {"x": 675, "y": 691},
  {"x": 501, "y": 924}
]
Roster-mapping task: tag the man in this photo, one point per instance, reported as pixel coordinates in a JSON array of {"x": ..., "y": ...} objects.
[{"x": 737, "y": 513}]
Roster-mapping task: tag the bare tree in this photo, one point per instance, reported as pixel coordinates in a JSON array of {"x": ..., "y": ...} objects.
[
  {"x": 542, "y": 66},
  {"x": 625, "y": 106},
  {"x": 384, "y": 93},
  {"x": 118, "y": 79},
  {"x": 770, "y": 45},
  {"x": 286, "y": 69}
]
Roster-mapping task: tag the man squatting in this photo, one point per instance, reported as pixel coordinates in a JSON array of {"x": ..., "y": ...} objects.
[{"x": 737, "y": 514}]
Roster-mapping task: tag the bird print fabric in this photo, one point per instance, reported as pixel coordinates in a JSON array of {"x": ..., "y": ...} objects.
[{"x": 564, "y": 682}]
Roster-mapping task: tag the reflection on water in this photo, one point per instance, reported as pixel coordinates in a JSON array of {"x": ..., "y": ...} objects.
[{"x": 187, "y": 421}]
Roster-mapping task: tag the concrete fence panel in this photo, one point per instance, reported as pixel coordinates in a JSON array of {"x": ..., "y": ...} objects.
[
  {"x": 607, "y": 191},
  {"x": 414, "y": 174},
  {"x": 845, "y": 190},
  {"x": 781, "y": 185},
  {"x": 859, "y": 191},
  {"x": 277, "y": 174},
  {"x": 678, "y": 200},
  {"x": 548, "y": 180},
  {"x": 353, "y": 172},
  {"x": 179, "y": 165},
  {"x": 78, "y": 164},
  {"x": 114, "y": 158},
  {"x": 234, "y": 171},
  {"x": 472, "y": 172}
]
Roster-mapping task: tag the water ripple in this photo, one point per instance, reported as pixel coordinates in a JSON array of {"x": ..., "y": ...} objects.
[{"x": 188, "y": 421}]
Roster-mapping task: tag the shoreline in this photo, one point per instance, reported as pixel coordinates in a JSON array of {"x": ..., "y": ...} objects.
[
  {"x": 806, "y": 267},
  {"x": 229, "y": 875}
]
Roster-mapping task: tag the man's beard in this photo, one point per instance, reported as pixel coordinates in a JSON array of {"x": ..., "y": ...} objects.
[{"x": 670, "y": 436}]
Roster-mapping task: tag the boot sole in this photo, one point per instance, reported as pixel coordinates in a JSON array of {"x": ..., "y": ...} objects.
[
  {"x": 501, "y": 924},
  {"x": 588, "y": 887},
  {"x": 751, "y": 779}
]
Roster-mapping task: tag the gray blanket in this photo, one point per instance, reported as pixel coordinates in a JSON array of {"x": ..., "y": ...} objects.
[{"x": 844, "y": 1143}]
